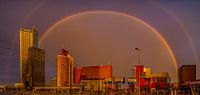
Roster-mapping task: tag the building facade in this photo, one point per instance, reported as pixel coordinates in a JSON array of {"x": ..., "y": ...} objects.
[
  {"x": 36, "y": 66},
  {"x": 138, "y": 71},
  {"x": 143, "y": 78},
  {"x": 28, "y": 38},
  {"x": 93, "y": 72},
  {"x": 93, "y": 77},
  {"x": 187, "y": 73},
  {"x": 65, "y": 68},
  {"x": 158, "y": 80}
]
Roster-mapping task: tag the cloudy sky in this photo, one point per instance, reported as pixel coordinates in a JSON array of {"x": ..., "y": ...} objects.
[{"x": 100, "y": 32}]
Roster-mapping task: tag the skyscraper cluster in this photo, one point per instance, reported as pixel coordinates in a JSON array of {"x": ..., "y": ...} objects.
[
  {"x": 32, "y": 59},
  {"x": 32, "y": 62}
]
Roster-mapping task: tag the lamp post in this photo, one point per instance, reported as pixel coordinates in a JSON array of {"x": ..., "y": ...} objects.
[{"x": 138, "y": 51}]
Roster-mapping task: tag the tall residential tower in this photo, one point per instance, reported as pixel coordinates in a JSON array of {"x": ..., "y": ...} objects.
[
  {"x": 32, "y": 59},
  {"x": 65, "y": 68},
  {"x": 28, "y": 38},
  {"x": 36, "y": 66}
]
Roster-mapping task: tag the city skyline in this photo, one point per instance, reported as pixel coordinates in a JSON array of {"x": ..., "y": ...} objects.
[{"x": 89, "y": 37}]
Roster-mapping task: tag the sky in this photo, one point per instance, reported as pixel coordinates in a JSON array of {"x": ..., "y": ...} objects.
[{"x": 103, "y": 37}]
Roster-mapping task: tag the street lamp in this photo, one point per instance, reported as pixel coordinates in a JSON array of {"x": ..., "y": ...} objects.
[{"x": 138, "y": 51}]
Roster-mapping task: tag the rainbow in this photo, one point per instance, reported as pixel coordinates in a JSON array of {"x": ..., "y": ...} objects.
[
  {"x": 182, "y": 27},
  {"x": 120, "y": 14}
]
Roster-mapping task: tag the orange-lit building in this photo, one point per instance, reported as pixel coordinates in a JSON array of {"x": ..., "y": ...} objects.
[
  {"x": 64, "y": 68},
  {"x": 28, "y": 38},
  {"x": 144, "y": 77},
  {"x": 138, "y": 70},
  {"x": 158, "y": 80},
  {"x": 93, "y": 72}
]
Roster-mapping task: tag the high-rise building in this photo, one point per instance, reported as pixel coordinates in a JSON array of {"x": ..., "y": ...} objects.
[
  {"x": 28, "y": 38},
  {"x": 36, "y": 66},
  {"x": 65, "y": 68}
]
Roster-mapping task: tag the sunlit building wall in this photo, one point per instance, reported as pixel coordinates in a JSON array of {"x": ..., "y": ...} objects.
[
  {"x": 71, "y": 69},
  {"x": 93, "y": 72},
  {"x": 147, "y": 71},
  {"x": 138, "y": 70},
  {"x": 77, "y": 74},
  {"x": 28, "y": 38},
  {"x": 36, "y": 66},
  {"x": 158, "y": 80},
  {"x": 65, "y": 69},
  {"x": 144, "y": 77},
  {"x": 93, "y": 84}
]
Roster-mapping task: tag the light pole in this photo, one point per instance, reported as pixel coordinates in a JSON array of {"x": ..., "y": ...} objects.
[{"x": 138, "y": 50}]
